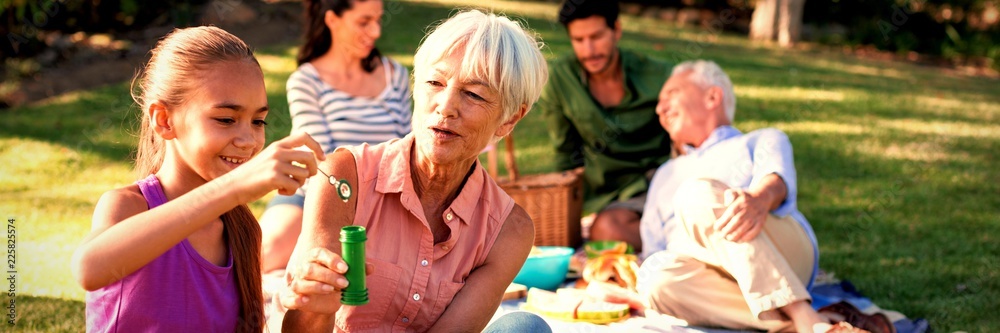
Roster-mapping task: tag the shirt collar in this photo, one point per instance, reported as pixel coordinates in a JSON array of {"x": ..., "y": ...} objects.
[
  {"x": 394, "y": 177},
  {"x": 394, "y": 168},
  {"x": 721, "y": 133},
  {"x": 469, "y": 196}
]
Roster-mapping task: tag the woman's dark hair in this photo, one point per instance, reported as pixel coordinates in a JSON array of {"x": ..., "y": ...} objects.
[
  {"x": 580, "y": 9},
  {"x": 317, "y": 34}
]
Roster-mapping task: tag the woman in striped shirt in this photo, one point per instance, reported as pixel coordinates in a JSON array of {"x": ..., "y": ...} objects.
[{"x": 343, "y": 93}]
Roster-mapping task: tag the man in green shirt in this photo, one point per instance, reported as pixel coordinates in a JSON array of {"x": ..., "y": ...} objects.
[{"x": 600, "y": 108}]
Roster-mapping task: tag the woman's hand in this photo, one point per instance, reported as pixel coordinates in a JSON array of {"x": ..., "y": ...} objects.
[
  {"x": 282, "y": 166},
  {"x": 316, "y": 276},
  {"x": 318, "y": 273}
]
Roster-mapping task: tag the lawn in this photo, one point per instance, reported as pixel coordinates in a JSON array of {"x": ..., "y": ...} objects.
[{"x": 896, "y": 162}]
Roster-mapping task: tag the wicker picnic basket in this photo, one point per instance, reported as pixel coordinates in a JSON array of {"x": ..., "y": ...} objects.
[{"x": 553, "y": 200}]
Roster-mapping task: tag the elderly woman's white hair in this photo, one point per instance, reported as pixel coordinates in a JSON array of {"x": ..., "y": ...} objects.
[
  {"x": 707, "y": 73},
  {"x": 496, "y": 48}
]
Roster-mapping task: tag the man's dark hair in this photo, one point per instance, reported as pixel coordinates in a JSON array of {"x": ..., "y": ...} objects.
[{"x": 581, "y": 9}]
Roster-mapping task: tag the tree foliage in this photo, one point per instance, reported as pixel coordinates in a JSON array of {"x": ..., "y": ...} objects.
[{"x": 24, "y": 22}]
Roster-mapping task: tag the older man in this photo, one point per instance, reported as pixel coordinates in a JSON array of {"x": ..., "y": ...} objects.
[{"x": 724, "y": 242}]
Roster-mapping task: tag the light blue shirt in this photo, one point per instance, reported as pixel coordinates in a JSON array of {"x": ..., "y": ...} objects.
[{"x": 736, "y": 159}]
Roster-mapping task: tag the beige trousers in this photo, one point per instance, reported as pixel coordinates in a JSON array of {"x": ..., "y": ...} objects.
[{"x": 710, "y": 281}]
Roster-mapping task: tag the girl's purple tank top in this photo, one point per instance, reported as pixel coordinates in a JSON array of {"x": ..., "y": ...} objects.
[{"x": 179, "y": 291}]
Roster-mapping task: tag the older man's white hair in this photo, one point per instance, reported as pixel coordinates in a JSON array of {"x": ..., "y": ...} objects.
[
  {"x": 707, "y": 73},
  {"x": 496, "y": 49}
]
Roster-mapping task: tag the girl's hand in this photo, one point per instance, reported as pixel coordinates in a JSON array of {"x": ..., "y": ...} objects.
[{"x": 282, "y": 166}]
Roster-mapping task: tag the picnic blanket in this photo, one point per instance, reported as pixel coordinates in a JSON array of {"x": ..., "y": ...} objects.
[{"x": 827, "y": 290}]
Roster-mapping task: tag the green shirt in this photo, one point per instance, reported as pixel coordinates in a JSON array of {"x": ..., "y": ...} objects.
[{"x": 616, "y": 145}]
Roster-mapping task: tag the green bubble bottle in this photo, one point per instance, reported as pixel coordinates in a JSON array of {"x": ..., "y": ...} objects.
[{"x": 352, "y": 240}]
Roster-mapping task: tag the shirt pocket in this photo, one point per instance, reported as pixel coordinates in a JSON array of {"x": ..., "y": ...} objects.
[
  {"x": 446, "y": 293},
  {"x": 381, "y": 290}
]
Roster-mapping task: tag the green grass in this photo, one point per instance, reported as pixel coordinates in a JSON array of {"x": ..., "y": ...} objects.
[{"x": 895, "y": 161}]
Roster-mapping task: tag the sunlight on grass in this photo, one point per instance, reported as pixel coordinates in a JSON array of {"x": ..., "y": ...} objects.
[
  {"x": 68, "y": 97},
  {"x": 947, "y": 128},
  {"x": 54, "y": 188},
  {"x": 49, "y": 271},
  {"x": 989, "y": 111},
  {"x": 276, "y": 71},
  {"x": 540, "y": 10},
  {"x": 794, "y": 94},
  {"x": 857, "y": 69},
  {"x": 55, "y": 184},
  {"x": 693, "y": 41},
  {"x": 274, "y": 64},
  {"x": 813, "y": 127},
  {"x": 26, "y": 157},
  {"x": 914, "y": 151}
]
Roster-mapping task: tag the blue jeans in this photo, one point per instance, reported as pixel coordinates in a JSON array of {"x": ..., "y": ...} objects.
[{"x": 519, "y": 321}]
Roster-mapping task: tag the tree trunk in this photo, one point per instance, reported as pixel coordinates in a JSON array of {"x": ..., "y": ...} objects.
[
  {"x": 790, "y": 22},
  {"x": 764, "y": 21},
  {"x": 777, "y": 19}
]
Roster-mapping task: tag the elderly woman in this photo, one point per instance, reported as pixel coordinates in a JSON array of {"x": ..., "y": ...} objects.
[{"x": 444, "y": 241}]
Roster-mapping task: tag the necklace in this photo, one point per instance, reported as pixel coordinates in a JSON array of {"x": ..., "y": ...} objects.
[{"x": 343, "y": 187}]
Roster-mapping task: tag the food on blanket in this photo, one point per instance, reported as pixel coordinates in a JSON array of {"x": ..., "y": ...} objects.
[
  {"x": 515, "y": 291},
  {"x": 619, "y": 269},
  {"x": 595, "y": 249},
  {"x": 600, "y": 312},
  {"x": 550, "y": 304},
  {"x": 578, "y": 261},
  {"x": 574, "y": 305}
]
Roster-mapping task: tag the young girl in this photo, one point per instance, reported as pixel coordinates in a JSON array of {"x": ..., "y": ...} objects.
[{"x": 179, "y": 250}]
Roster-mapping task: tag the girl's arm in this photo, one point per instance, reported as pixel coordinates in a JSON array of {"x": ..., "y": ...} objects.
[
  {"x": 126, "y": 235},
  {"x": 474, "y": 305},
  {"x": 316, "y": 270}
]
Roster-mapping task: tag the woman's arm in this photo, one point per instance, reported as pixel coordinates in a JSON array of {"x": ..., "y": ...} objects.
[
  {"x": 474, "y": 305},
  {"x": 310, "y": 300},
  {"x": 126, "y": 236}
]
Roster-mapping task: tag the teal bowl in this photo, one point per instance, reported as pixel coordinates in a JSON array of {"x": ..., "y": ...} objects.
[{"x": 546, "y": 269}]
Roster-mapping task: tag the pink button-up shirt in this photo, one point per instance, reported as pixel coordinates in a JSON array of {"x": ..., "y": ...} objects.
[{"x": 415, "y": 279}]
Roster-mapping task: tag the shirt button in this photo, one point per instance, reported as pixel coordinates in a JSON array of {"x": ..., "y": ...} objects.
[
  {"x": 423, "y": 263},
  {"x": 449, "y": 216},
  {"x": 416, "y": 297},
  {"x": 406, "y": 320}
]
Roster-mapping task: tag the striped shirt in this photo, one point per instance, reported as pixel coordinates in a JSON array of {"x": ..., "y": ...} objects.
[{"x": 335, "y": 118}]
